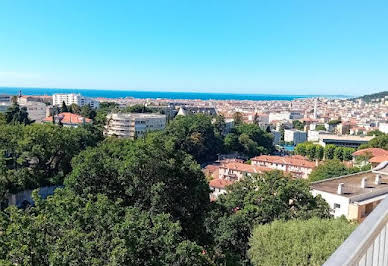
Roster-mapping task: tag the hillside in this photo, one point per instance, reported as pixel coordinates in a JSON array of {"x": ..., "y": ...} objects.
[{"x": 370, "y": 97}]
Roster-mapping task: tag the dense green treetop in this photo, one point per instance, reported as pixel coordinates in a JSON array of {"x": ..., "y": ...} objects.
[
  {"x": 334, "y": 168},
  {"x": 67, "y": 229},
  {"x": 17, "y": 115},
  {"x": 38, "y": 155},
  {"x": 298, "y": 125},
  {"x": 196, "y": 135},
  {"x": 377, "y": 142},
  {"x": 259, "y": 199},
  {"x": 148, "y": 173},
  {"x": 297, "y": 242}
]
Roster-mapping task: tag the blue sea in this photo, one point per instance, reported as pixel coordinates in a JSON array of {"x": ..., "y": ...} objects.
[{"x": 158, "y": 94}]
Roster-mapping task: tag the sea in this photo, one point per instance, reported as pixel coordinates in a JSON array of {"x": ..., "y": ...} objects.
[{"x": 159, "y": 94}]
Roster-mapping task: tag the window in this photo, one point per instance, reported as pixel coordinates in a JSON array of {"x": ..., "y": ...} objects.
[{"x": 337, "y": 206}]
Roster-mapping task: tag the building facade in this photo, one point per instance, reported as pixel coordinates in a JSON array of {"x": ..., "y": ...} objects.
[
  {"x": 75, "y": 98},
  {"x": 297, "y": 165},
  {"x": 354, "y": 196},
  {"x": 295, "y": 136},
  {"x": 133, "y": 125}
]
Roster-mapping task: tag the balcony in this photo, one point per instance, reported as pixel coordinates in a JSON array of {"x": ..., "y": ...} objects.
[{"x": 368, "y": 244}]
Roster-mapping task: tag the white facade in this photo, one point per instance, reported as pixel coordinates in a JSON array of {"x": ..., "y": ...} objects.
[
  {"x": 36, "y": 110},
  {"x": 383, "y": 127},
  {"x": 279, "y": 116},
  {"x": 75, "y": 98},
  {"x": 338, "y": 204},
  {"x": 295, "y": 136},
  {"x": 131, "y": 125}
]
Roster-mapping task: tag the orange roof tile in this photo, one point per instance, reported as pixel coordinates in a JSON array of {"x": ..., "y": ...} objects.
[
  {"x": 372, "y": 151},
  {"x": 220, "y": 183},
  {"x": 288, "y": 160},
  {"x": 69, "y": 118}
]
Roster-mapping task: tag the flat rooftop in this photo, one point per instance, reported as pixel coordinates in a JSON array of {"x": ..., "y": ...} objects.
[
  {"x": 352, "y": 184},
  {"x": 345, "y": 137}
]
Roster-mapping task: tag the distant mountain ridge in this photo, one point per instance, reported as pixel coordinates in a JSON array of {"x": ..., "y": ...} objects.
[{"x": 370, "y": 97}]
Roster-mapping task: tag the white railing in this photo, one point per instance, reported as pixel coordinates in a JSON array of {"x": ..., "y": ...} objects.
[{"x": 368, "y": 244}]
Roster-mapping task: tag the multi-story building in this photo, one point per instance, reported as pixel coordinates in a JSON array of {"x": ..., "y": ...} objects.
[
  {"x": 343, "y": 140},
  {"x": 75, "y": 98},
  {"x": 5, "y": 98},
  {"x": 133, "y": 125},
  {"x": 295, "y": 136},
  {"x": 296, "y": 165},
  {"x": 231, "y": 172},
  {"x": 355, "y": 195},
  {"x": 36, "y": 109}
]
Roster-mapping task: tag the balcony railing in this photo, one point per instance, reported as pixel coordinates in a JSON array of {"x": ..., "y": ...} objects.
[{"x": 368, "y": 244}]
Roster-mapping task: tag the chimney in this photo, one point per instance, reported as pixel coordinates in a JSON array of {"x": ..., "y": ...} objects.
[
  {"x": 340, "y": 189},
  {"x": 363, "y": 182},
  {"x": 378, "y": 180}
]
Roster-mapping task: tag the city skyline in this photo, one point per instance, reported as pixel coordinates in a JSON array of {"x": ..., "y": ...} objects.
[{"x": 301, "y": 48}]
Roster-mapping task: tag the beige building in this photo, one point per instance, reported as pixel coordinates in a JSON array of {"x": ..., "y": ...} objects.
[
  {"x": 133, "y": 125},
  {"x": 355, "y": 195},
  {"x": 298, "y": 166}
]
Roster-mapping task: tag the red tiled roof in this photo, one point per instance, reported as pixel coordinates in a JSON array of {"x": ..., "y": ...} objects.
[
  {"x": 248, "y": 168},
  {"x": 288, "y": 160},
  {"x": 69, "y": 118},
  {"x": 220, "y": 183},
  {"x": 379, "y": 159},
  {"x": 372, "y": 151}
]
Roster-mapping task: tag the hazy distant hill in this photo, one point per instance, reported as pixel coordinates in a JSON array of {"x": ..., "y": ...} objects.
[{"x": 373, "y": 96}]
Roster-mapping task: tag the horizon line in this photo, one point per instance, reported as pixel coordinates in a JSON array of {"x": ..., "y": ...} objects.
[{"x": 174, "y": 91}]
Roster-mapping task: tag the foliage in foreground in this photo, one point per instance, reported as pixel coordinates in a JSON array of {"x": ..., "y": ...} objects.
[
  {"x": 297, "y": 242},
  {"x": 255, "y": 200},
  {"x": 67, "y": 229},
  {"x": 334, "y": 168}
]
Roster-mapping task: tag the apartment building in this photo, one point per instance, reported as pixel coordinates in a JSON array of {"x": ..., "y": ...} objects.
[
  {"x": 355, "y": 195},
  {"x": 230, "y": 172},
  {"x": 295, "y": 136},
  {"x": 75, "y": 98},
  {"x": 343, "y": 140},
  {"x": 133, "y": 125},
  {"x": 297, "y": 166}
]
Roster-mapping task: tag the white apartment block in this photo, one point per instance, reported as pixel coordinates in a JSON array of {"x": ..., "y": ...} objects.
[
  {"x": 76, "y": 98},
  {"x": 295, "y": 136},
  {"x": 133, "y": 125},
  {"x": 383, "y": 127}
]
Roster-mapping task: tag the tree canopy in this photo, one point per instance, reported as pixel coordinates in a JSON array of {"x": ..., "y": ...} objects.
[
  {"x": 249, "y": 139},
  {"x": 17, "y": 115},
  {"x": 196, "y": 135},
  {"x": 149, "y": 174},
  {"x": 297, "y": 242},
  {"x": 377, "y": 142},
  {"x": 258, "y": 199},
  {"x": 37, "y": 155},
  {"x": 67, "y": 229}
]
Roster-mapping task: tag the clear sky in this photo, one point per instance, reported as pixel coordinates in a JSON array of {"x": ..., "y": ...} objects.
[{"x": 272, "y": 46}]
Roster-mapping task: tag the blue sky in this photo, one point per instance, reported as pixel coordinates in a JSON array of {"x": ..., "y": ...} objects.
[{"x": 282, "y": 47}]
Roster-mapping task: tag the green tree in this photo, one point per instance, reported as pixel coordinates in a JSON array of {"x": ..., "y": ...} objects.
[
  {"x": 88, "y": 112},
  {"x": 195, "y": 134},
  {"x": 67, "y": 229},
  {"x": 64, "y": 108},
  {"x": 255, "y": 200},
  {"x": 311, "y": 151},
  {"x": 298, "y": 125},
  {"x": 148, "y": 173},
  {"x": 138, "y": 108},
  {"x": 347, "y": 153},
  {"x": 219, "y": 125},
  {"x": 377, "y": 142},
  {"x": 74, "y": 108},
  {"x": 3, "y": 120},
  {"x": 238, "y": 118},
  {"x": 301, "y": 149},
  {"x": 338, "y": 153},
  {"x": 329, "y": 151},
  {"x": 375, "y": 132},
  {"x": 319, "y": 152},
  {"x": 320, "y": 127},
  {"x": 17, "y": 115},
  {"x": 297, "y": 242},
  {"x": 38, "y": 155},
  {"x": 330, "y": 168}
]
